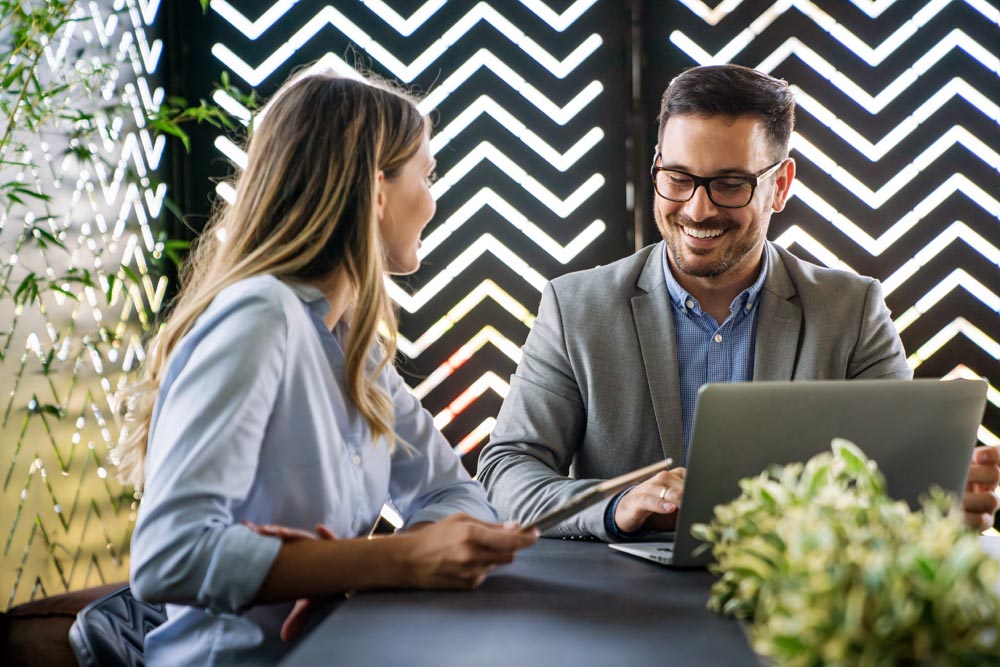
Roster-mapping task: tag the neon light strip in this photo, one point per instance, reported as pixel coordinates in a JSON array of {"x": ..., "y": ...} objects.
[
  {"x": 956, "y": 39},
  {"x": 955, "y": 183},
  {"x": 406, "y": 73},
  {"x": 486, "y": 151},
  {"x": 559, "y": 22},
  {"x": 477, "y": 435},
  {"x": 148, "y": 9},
  {"x": 955, "y": 135},
  {"x": 232, "y": 107},
  {"x": 796, "y": 235},
  {"x": 487, "y": 197},
  {"x": 256, "y": 28},
  {"x": 963, "y": 371},
  {"x": 484, "y": 58},
  {"x": 711, "y": 15},
  {"x": 954, "y": 88},
  {"x": 836, "y": 30},
  {"x": 489, "y": 380},
  {"x": 485, "y": 243},
  {"x": 957, "y": 230},
  {"x": 957, "y": 278},
  {"x": 405, "y": 27},
  {"x": 481, "y": 59},
  {"x": 484, "y": 290},
  {"x": 485, "y": 335},
  {"x": 485, "y": 105},
  {"x": 957, "y": 326}
]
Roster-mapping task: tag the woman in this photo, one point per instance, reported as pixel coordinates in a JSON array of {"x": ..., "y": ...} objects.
[{"x": 268, "y": 398}]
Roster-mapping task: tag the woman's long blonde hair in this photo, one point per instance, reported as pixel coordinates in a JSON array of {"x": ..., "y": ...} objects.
[{"x": 305, "y": 207}]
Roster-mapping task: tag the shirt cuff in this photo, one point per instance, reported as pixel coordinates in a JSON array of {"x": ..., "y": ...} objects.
[
  {"x": 240, "y": 563},
  {"x": 611, "y": 528}
]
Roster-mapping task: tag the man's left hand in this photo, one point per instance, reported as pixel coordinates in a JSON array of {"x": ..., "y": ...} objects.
[{"x": 980, "y": 501}]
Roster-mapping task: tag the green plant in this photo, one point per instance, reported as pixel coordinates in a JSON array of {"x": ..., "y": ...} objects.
[{"x": 829, "y": 570}]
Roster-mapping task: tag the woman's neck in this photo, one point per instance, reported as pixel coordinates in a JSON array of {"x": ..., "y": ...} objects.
[{"x": 339, "y": 291}]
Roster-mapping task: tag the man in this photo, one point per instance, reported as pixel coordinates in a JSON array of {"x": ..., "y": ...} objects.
[{"x": 611, "y": 369}]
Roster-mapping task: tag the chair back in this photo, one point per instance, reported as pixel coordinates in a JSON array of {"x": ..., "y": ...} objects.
[{"x": 111, "y": 631}]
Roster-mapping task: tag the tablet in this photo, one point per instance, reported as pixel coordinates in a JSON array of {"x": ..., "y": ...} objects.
[{"x": 594, "y": 494}]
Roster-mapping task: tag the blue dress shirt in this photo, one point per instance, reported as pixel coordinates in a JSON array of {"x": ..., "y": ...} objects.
[
  {"x": 706, "y": 352},
  {"x": 253, "y": 422}
]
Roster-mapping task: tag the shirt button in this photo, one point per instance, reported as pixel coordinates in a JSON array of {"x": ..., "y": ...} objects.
[
  {"x": 356, "y": 460},
  {"x": 717, "y": 338},
  {"x": 690, "y": 303},
  {"x": 749, "y": 305}
]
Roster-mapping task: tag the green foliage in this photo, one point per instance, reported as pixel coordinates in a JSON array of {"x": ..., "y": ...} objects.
[{"x": 829, "y": 570}]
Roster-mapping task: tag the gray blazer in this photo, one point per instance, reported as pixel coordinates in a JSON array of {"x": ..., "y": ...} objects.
[{"x": 597, "y": 393}]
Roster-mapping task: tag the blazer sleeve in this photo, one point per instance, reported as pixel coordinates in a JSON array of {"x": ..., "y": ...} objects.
[
  {"x": 525, "y": 465},
  {"x": 878, "y": 352},
  {"x": 427, "y": 480}
]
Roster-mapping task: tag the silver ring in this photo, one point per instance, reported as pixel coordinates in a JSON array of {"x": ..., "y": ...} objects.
[{"x": 663, "y": 493}]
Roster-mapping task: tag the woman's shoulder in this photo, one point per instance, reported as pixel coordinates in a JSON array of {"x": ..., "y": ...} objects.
[
  {"x": 262, "y": 302},
  {"x": 258, "y": 293}
]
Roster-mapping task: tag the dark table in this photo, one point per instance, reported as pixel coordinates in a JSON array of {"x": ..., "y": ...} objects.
[{"x": 561, "y": 602}]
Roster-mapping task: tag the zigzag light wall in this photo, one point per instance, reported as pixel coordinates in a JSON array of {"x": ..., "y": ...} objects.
[
  {"x": 898, "y": 149},
  {"x": 529, "y": 147},
  {"x": 65, "y": 523}
]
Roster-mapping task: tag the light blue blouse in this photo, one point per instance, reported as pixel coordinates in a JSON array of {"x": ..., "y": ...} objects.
[{"x": 253, "y": 422}]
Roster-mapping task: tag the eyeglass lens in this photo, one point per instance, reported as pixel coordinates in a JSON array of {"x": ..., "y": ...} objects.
[{"x": 723, "y": 191}]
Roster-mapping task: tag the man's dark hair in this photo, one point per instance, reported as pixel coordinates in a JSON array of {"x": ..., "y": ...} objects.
[{"x": 732, "y": 90}]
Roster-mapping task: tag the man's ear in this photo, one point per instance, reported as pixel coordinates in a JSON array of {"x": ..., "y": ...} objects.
[
  {"x": 380, "y": 195},
  {"x": 783, "y": 184}
]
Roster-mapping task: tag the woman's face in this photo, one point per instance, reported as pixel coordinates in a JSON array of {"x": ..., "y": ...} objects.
[{"x": 407, "y": 208}]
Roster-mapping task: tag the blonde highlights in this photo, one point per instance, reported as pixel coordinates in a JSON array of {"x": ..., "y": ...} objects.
[{"x": 305, "y": 209}]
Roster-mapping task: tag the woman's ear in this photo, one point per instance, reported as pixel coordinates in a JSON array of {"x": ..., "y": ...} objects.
[{"x": 380, "y": 195}]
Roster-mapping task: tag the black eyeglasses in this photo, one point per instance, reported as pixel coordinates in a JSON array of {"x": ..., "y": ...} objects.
[{"x": 723, "y": 191}]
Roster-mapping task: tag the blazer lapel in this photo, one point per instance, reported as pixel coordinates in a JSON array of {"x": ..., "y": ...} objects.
[
  {"x": 655, "y": 326},
  {"x": 779, "y": 319}
]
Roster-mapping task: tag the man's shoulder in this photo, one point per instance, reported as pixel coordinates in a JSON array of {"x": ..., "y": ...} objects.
[
  {"x": 622, "y": 274},
  {"x": 812, "y": 278}
]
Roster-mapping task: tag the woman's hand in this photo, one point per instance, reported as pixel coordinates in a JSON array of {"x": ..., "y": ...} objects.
[
  {"x": 458, "y": 552},
  {"x": 304, "y": 607}
]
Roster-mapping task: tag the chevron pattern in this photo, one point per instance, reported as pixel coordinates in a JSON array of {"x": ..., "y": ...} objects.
[
  {"x": 898, "y": 148},
  {"x": 64, "y": 522},
  {"x": 525, "y": 152}
]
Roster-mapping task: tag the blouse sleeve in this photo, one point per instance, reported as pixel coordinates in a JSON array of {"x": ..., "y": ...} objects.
[
  {"x": 212, "y": 410},
  {"x": 428, "y": 481}
]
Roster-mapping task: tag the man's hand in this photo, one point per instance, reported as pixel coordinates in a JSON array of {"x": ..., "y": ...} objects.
[
  {"x": 652, "y": 504},
  {"x": 296, "y": 620},
  {"x": 980, "y": 501}
]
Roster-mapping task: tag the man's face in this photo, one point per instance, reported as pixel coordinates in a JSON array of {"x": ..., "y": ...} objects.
[{"x": 717, "y": 146}]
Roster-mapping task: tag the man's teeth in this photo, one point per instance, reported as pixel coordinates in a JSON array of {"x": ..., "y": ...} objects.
[{"x": 702, "y": 233}]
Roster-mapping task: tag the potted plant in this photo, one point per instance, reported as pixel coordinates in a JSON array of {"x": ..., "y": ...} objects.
[{"x": 826, "y": 569}]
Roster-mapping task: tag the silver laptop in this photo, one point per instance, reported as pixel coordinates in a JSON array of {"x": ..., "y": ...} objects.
[{"x": 920, "y": 433}]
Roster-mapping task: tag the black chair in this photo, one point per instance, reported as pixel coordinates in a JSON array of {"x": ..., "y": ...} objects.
[{"x": 111, "y": 631}]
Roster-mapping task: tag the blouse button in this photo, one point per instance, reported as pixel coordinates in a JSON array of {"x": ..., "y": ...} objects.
[{"x": 356, "y": 460}]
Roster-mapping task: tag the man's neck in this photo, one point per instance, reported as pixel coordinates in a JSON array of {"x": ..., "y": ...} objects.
[{"x": 716, "y": 293}]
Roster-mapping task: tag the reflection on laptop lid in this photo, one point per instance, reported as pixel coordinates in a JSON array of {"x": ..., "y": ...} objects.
[{"x": 920, "y": 433}]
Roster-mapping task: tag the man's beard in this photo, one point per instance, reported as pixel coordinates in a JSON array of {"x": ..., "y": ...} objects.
[{"x": 732, "y": 255}]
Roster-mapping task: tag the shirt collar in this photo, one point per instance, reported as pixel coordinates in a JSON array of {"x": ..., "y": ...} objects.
[
  {"x": 312, "y": 296},
  {"x": 745, "y": 299}
]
